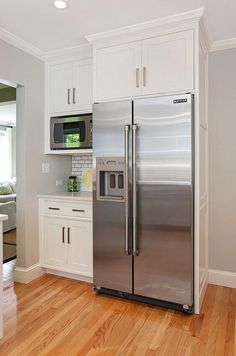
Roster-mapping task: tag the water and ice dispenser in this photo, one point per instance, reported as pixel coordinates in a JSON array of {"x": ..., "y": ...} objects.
[{"x": 110, "y": 178}]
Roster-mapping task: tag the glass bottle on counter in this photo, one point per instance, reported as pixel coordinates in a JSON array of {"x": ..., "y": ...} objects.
[{"x": 73, "y": 184}]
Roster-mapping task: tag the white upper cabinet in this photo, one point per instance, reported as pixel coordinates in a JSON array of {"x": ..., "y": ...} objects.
[
  {"x": 60, "y": 87},
  {"x": 117, "y": 73},
  {"x": 70, "y": 86},
  {"x": 167, "y": 63},
  {"x": 82, "y": 96},
  {"x": 162, "y": 64}
]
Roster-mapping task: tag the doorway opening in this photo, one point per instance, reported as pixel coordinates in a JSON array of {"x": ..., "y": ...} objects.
[{"x": 8, "y": 192}]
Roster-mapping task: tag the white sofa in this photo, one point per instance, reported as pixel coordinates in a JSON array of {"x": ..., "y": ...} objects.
[{"x": 8, "y": 204}]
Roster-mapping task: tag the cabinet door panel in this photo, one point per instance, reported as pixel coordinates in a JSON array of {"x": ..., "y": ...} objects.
[
  {"x": 116, "y": 74},
  {"x": 80, "y": 250},
  {"x": 168, "y": 61},
  {"x": 82, "y": 86},
  {"x": 60, "y": 82},
  {"x": 54, "y": 250}
]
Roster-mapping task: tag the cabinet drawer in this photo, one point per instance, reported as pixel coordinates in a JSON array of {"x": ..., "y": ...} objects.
[{"x": 68, "y": 209}]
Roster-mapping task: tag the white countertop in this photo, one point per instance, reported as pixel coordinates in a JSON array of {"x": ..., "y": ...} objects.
[
  {"x": 82, "y": 196},
  {"x": 3, "y": 217}
]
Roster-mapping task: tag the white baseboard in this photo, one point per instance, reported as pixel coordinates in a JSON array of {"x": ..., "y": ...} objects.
[
  {"x": 75, "y": 276},
  {"x": 222, "y": 278},
  {"x": 26, "y": 275}
]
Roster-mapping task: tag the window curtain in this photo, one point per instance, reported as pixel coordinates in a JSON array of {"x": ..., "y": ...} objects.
[{"x": 5, "y": 154}]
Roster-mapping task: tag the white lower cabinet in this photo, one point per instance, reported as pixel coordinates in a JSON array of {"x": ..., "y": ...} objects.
[
  {"x": 54, "y": 251},
  {"x": 66, "y": 242},
  {"x": 80, "y": 251}
]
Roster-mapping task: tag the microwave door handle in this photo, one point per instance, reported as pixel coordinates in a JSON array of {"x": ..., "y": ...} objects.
[{"x": 52, "y": 135}]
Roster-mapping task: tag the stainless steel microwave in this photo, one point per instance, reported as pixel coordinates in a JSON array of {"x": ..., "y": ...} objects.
[{"x": 71, "y": 132}]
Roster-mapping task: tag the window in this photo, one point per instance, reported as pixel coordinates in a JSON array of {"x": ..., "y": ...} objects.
[{"x": 5, "y": 153}]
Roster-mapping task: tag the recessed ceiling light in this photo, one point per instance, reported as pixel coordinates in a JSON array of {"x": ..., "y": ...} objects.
[{"x": 60, "y": 4}]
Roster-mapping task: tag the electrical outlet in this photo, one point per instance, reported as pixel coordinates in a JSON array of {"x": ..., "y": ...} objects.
[
  {"x": 45, "y": 167},
  {"x": 58, "y": 183}
]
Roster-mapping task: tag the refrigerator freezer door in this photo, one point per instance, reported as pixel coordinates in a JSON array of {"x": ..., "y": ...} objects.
[
  {"x": 163, "y": 268},
  {"x": 112, "y": 263}
]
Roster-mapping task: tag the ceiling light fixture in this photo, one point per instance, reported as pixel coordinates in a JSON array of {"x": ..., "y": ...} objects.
[{"x": 60, "y": 4}]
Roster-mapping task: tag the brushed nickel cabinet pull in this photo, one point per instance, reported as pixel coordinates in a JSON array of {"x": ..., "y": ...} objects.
[
  {"x": 63, "y": 234},
  {"x": 68, "y": 96},
  {"x": 144, "y": 76},
  {"x": 137, "y": 77},
  {"x": 50, "y": 208},
  {"x": 68, "y": 236},
  {"x": 73, "y": 95},
  {"x": 79, "y": 210}
]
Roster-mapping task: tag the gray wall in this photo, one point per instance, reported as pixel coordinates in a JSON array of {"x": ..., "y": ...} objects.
[
  {"x": 28, "y": 72},
  {"x": 222, "y": 160}
]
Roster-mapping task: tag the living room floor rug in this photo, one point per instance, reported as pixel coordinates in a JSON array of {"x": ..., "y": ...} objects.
[
  {"x": 9, "y": 252},
  {"x": 10, "y": 237}
]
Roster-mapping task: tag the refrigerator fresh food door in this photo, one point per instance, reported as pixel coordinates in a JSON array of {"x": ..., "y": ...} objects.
[
  {"x": 163, "y": 265},
  {"x": 111, "y": 196}
]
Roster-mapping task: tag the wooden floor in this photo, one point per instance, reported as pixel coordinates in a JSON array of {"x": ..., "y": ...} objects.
[{"x": 56, "y": 316}]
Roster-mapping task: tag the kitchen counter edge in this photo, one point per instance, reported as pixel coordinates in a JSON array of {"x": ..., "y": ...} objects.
[{"x": 80, "y": 196}]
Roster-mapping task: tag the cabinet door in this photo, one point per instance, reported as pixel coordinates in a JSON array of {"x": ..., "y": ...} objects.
[
  {"x": 167, "y": 63},
  {"x": 60, "y": 77},
  {"x": 80, "y": 250},
  {"x": 54, "y": 249},
  {"x": 118, "y": 71},
  {"x": 82, "y": 86}
]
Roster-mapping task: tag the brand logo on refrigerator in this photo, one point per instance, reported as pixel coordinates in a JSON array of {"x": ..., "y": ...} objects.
[{"x": 180, "y": 101}]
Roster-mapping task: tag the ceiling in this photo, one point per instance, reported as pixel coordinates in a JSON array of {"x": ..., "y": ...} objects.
[{"x": 48, "y": 29}]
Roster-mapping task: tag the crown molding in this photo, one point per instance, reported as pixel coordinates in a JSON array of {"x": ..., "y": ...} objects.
[
  {"x": 223, "y": 44},
  {"x": 20, "y": 43},
  {"x": 204, "y": 34},
  {"x": 85, "y": 49},
  {"x": 139, "y": 30},
  {"x": 25, "y": 46}
]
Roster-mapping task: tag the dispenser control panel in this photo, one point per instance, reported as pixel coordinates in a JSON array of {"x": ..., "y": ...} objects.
[{"x": 110, "y": 178}]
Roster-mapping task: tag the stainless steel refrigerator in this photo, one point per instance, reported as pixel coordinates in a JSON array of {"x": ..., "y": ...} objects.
[{"x": 143, "y": 200}]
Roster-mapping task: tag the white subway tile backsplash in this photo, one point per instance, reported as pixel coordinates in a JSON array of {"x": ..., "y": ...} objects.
[{"x": 79, "y": 163}]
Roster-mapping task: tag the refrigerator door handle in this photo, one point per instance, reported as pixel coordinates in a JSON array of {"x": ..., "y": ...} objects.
[
  {"x": 126, "y": 190},
  {"x": 134, "y": 191}
]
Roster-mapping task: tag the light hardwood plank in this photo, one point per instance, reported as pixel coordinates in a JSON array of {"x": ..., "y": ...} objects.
[{"x": 60, "y": 317}]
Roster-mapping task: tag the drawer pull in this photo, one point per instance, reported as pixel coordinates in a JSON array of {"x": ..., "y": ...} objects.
[
  {"x": 50, "y": 208},
  {"x": 79, "y": 210}
]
